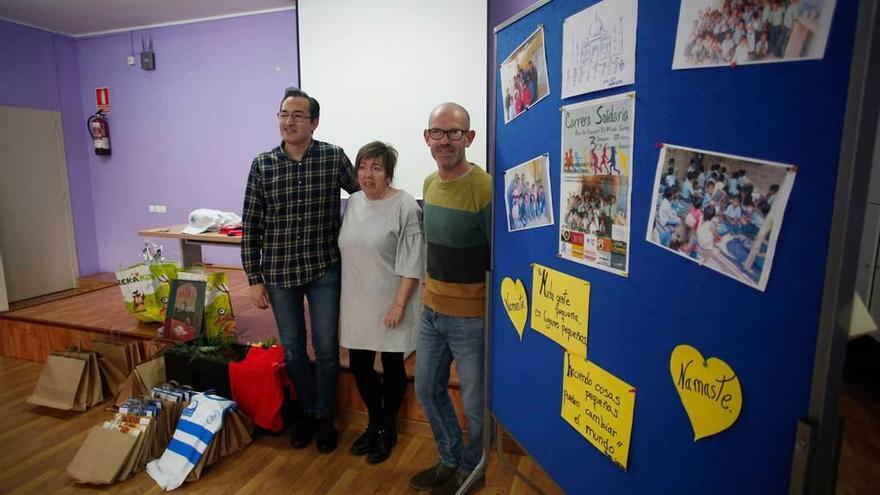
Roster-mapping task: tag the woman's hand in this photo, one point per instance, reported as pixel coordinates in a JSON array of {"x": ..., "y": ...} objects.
[{"x": 394, "y": 316}]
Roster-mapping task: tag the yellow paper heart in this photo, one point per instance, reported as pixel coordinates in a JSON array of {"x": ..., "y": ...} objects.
[
  {"x": 516, "y": 303},
  {"x": 709, "y": 390}
]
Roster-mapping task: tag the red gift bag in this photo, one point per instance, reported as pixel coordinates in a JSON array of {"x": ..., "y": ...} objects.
[{"x": 258, "y": 384}]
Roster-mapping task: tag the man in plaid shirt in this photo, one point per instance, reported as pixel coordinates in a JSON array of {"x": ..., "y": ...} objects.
[{"x": 288, "y": 250}]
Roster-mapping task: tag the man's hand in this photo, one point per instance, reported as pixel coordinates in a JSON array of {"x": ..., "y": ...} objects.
[{"x": 259, "y": 295}]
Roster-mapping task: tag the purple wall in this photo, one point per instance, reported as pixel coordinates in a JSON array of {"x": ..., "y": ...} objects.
[
  {"x": 40, "y": 72},
  {"x": 501, "y": 10},
  {"x": 185, "y": 134}
]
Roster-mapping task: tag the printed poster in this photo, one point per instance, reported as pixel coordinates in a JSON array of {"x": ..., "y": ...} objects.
[
  {"x": 524, "y": 80},
  {"x": 596, "y": 183},
  {"x": 720, "y": 211},
  {"x": 599, "y": 406},
  {"x": 599, "y": 47},
  {"x": 528, "y": 197},
  {"x": 714, "y": 33}
]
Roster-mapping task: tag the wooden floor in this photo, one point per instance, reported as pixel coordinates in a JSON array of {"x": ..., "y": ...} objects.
[
  {"x": 84, "y": 285},
  {"x": 859, "y": 471},
  {"x": 37, "y": 444}
]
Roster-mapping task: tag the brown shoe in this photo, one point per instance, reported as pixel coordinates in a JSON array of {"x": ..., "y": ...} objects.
[
  {"x": 432, "y": 477},
  {"x": 451, "y": 486}
]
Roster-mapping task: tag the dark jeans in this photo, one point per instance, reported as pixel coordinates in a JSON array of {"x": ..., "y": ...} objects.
[
  {"x": 384, "y": 395},
  {"x": 316, "y": 391}
]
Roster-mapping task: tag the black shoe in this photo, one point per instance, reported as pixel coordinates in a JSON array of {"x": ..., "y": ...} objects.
[
  {"x": 392, "y": 432},
  {"x": 451, "y": 486},
  {"x": 365, "y": 443},
  {"x": 303, "y": 432},
  {"x": 432, "y": 477},
  {"x": 382, "y": 447},
  {"x": 327, "y": 437}
]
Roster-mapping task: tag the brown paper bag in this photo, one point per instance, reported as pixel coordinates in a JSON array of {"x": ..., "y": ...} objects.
[
  {"x": 145, "y": 454},
  {"x": 115, "y": 353},
  {"x": 130, "y": 466},
  {"x": 238, "y": 431},
  {"x": 130, "y": 388},
  {"x": 133, "y": 353},
  {"x": 101, "y": 457},
  {"x": 91, "y": 391},
  {"x": 112, "y": 378},
  {"x": 59, "y": 383},
  {"x": 151, "y": 374}
]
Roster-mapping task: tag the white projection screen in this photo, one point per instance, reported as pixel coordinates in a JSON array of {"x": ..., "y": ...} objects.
[{"x": 379, "y": 67}]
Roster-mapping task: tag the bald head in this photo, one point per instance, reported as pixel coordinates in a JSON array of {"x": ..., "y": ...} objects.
[
  {"x": 450, "y": 126},
  {"x": 452, "y": 111}
]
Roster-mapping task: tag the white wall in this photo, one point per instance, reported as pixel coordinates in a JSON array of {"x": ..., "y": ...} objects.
[{"x": 378, "y": 68}]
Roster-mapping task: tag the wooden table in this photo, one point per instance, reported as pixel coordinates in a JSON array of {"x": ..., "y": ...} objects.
[{"x": 191, "y": 244}]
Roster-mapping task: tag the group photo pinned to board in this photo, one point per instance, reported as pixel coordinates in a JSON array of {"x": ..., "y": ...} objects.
[
  {"x": 523, "y": 75},
  {"x": 721, "y": 211},
  {"x": 712, "y": 34},
  {"x": 528, "y": 197}
]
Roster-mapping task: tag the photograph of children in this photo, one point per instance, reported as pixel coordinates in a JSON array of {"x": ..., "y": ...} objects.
[
  {"x": 528, "y": 198},
  {"x": 721, "y": 211},
  {"x": 599, "y": 47},
  {"x": 597, "y": 154},
  {"x": 723, "y": 32},
  {"x": 524, "y": 80}
]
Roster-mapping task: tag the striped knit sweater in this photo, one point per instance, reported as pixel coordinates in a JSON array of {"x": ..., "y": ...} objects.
[{"x": 457, "y": 216}]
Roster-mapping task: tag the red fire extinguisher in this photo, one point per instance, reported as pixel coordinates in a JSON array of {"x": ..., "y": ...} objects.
[{"x": 99, "y": 128}]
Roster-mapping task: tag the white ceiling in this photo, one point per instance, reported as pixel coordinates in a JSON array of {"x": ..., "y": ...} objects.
[{"x": 85, "y": 17}]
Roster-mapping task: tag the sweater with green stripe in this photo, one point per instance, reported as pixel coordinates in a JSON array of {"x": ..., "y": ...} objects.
[{"x": 457, "y": 225}]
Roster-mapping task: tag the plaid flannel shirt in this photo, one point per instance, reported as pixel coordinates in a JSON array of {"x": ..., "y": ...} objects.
[{"x": 291, "y": 214}]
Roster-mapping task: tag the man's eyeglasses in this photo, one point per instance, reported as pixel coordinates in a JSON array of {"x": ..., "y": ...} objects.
[
  {"x": 452, "y": 134},
  {"x": 296, "y": 117}
]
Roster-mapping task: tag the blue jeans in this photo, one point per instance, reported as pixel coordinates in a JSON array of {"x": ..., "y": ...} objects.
[
  {"x": 443, "y": 338},
  {"x": 317, "y": 393}
]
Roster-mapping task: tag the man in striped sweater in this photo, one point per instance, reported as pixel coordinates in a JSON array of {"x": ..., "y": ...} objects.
[{"x": 457, "y": 215}]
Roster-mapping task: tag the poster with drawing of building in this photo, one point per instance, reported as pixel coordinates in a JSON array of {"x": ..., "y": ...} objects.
[{"x": 599, "y": 47}]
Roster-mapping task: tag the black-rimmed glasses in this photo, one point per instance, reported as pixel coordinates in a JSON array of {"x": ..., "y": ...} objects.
[{"x": 452, "y": 134}]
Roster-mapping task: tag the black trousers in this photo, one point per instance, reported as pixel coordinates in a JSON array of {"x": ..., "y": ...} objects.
[{"x": 382, "y": 395}]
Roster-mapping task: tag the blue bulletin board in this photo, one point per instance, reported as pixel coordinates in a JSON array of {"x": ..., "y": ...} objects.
[{"x": 791, "y": 113}]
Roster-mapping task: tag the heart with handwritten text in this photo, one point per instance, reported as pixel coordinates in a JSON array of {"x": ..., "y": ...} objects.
[
  {"x": 516, "y": 303},
  {"x": 709, "y": 390}
]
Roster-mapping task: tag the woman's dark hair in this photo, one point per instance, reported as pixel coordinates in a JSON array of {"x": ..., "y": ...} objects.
[{"x": 378, "y": 149}]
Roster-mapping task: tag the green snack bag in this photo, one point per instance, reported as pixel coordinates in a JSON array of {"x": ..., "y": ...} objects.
[
  {"x": 163, "y": 273},
  {"x": 219, "y": 320},
  {"x": 145, "y": 289}
]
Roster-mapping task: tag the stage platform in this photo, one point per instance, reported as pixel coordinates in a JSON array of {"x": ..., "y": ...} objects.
[{"x": 96, "y": 310}]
